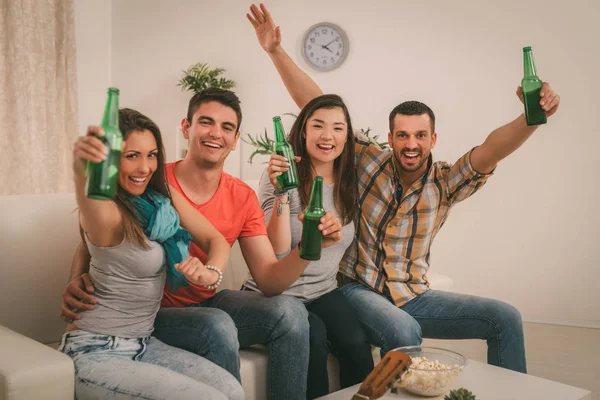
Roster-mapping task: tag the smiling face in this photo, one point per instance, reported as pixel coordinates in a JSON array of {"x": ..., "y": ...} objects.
[
  {"x": 412, "y": 141},
  {"x": 212, "y": 133},
  {"x": 326, "y": 134},
  {"x": 139, "y": 161}
]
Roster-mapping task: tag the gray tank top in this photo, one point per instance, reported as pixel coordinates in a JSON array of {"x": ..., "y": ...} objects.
[
  {"x": 128, "y": 286},
  {"x": 319, "y": 277}
]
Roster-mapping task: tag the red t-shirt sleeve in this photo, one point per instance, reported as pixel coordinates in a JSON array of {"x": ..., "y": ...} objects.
[{"x": 254, "y": 224}]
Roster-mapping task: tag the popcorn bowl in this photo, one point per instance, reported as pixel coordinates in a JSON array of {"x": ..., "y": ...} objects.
[{"x": 432, "y": 372}]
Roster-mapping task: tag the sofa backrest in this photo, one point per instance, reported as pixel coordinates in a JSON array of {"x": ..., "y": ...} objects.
[{"x": 38, "y": 237}]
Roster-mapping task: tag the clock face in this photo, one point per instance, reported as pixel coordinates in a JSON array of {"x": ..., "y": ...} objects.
[{"x": 325, "y": 46}]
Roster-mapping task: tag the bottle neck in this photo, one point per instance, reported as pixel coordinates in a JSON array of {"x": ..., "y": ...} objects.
[
  {"x": 111, "y": 111},
  {"x": 316, "y": 196},
  {"x": 279, "y": 132},
  {"x": 529, "y": 64}
]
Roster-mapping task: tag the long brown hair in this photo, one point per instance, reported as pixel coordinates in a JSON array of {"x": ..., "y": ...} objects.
[
  {"x": 132, "y": 121},
  {"x": 345, "y": 193}
]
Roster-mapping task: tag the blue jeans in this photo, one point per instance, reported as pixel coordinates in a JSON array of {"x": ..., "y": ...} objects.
[
  {"x": 335, "y": 328},
  {"x": 441, "y": 315},
  {"x": 121, "y": 368},
  {"x": 217, "y": 328}
]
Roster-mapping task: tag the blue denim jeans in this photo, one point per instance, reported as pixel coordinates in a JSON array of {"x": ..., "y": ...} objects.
[
  {"x": 121, "y": 368},
  {"x": 441, "y": 315},
  {"x": 217, "y": 328},
  {"x": 335, "y": 328}
]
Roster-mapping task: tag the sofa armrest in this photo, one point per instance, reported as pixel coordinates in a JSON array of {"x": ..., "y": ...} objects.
[{"x": 30, "y": 370}]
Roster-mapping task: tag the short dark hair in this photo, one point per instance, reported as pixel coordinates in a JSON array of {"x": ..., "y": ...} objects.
[
  {"x": 412, "y": 108},
  {"x": 225, "y": 97}
]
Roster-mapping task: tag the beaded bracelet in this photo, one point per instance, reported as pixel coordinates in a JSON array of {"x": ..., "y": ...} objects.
[{"x": 219, "y": 279}]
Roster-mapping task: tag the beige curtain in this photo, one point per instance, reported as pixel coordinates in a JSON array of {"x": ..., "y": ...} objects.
[{"x": 38, "y": 95}]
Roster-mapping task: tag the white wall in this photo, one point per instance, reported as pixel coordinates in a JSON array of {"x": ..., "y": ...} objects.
[
  {"x": 529, "y": 236},
  {"x": 93, "y": 32}
]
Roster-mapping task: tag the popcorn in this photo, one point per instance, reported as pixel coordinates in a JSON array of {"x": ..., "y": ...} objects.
[{"x": 428, "y": 378}]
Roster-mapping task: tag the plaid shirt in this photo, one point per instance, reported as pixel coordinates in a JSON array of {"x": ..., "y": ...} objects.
[{"x": 395, "y": 231}]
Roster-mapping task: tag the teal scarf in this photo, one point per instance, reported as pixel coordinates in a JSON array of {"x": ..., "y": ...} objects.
[{"x": 160, "y": 223}]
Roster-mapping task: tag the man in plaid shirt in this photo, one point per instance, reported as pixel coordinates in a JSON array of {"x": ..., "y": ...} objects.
[{"x": 405, "y": 198}]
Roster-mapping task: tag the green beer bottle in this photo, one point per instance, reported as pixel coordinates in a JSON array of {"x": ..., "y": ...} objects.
[
  {"x": 288, "y": 180},
  {"x": 310, "y": 246},
  {"x": 531, "y": 86},
  {"x": 102, "y": 177}
]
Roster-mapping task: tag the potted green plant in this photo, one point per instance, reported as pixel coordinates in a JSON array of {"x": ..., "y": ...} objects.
[
  {"x": 460, "y": 394},
  {"x": 367, "y": 132},
  {"x": 263, "y": 144},
  {"x": 200, "y": 76}
]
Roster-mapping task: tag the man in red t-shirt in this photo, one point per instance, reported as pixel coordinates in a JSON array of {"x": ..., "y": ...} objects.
[{"x": 216, "y": 324}]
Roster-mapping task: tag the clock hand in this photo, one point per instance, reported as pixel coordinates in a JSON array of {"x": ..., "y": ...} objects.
[
  {"x": 329, "y": 43},
  {"x": 326, "y": 48}
]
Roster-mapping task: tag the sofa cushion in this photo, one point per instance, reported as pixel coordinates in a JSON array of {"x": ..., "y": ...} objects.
[{"x": 254, "y": 367}]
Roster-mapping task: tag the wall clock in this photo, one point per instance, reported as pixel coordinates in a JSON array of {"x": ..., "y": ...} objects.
[{"x": 325, "y": 46}]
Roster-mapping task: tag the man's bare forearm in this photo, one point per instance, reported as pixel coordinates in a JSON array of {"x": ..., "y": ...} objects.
[
  {"x": 81, "y": 261},
  {"x": 272, "y": 276},
  {"x": 278, "y": 276},
  {"x": 501, "y": 143}
]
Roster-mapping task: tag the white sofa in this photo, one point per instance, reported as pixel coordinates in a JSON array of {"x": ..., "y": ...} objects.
[{"x": 38, "y": 236}]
